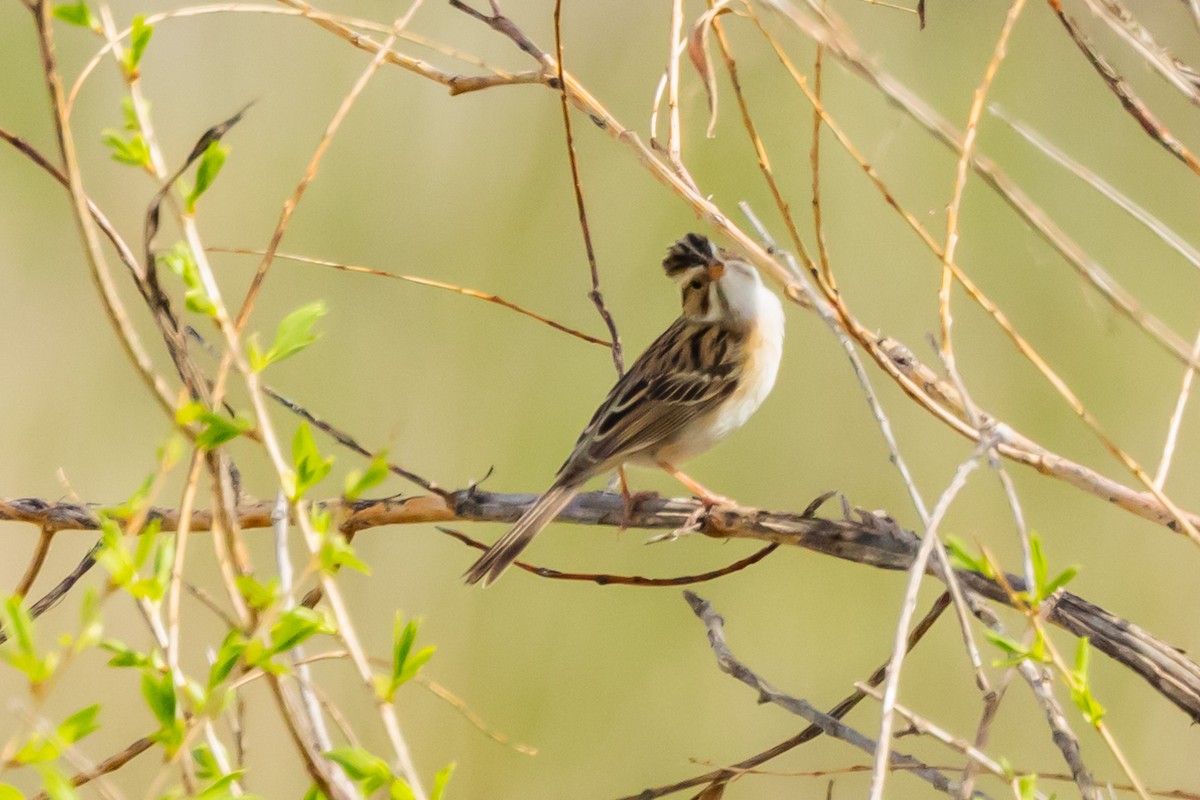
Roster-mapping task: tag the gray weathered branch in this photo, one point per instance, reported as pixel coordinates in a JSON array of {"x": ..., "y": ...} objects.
[{"x": 858, "y": 536}]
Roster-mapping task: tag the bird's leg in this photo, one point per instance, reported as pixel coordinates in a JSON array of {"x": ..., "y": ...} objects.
[
  {"x": 707, "y": 497},
  {"x": 631, "y": 499}
]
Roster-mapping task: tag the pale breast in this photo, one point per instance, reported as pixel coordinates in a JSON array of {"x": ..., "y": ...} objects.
[{"x": 763, "y": 350}]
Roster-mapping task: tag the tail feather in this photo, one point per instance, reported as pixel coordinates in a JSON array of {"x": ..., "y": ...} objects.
[{"x": 500, "y": 555}]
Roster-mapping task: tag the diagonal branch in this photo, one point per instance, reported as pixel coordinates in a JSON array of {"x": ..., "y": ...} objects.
[{"x": 730, "y": 664}]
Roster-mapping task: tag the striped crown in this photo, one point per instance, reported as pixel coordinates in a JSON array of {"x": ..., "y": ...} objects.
[{"x": 689, "y": 252}]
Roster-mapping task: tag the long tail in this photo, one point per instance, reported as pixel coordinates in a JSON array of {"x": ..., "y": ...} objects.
[{"x": 500, "y": 555}]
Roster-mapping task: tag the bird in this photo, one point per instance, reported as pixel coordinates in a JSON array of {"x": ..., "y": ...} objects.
[{"x": 698, "y": 381}]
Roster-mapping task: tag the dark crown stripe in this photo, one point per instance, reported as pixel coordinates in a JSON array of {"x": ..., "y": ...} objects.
[{"x": 691, "y": 251}]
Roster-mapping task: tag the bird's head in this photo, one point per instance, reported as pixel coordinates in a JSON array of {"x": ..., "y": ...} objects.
[{"x": 716, "y": 285}]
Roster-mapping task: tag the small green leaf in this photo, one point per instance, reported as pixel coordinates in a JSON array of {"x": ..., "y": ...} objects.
[
  {"x": 440, "y": 780},
  {"x": 400, "y": 790},
  {"x": 1027, "y": 787},
  {"x": 220, "y": 789},
  {"x": 1063, "y": 578},
  {"x": 38, "y": 750},
  {"x": 125, "y": 656},
  {"x": 311, "y": 467},
  {"x": 314, "y": 793},
  {"x": 359, "y": 482},
  {"x": 159, "y": 691},
  {"x": 25, "y": 657},
  {"x": 962, "y": 559},
  {"x": 369, "y": 771},
  {"x": 79, "y": 724},
  {"x": 132, "y": 151},
  {"x": 57, "y": 786},
  {"x": 138, "y": 39},
  {"x": 295, "y": 332},
  {"x": 1038, "y": 557},
  {"x": 77, "y": 14},
  {"x": 226, "y": 659},
  {"x": 206, "y": 762},
  {"x": 215, "y": 430},
  {"x": 10, "y": 792},
  {"x": 179, "y": 260},
  {"x": 295, "y": 627},
  {"x": 210, "y": 165},
  {"x": 336, "y": 553},
  {"x": 259, "y": 595}
]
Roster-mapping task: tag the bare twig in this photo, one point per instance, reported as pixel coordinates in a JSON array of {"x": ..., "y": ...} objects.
[
  {"x": 730, "y": 664},
  {"x": 466, "y": 292},
  {"x": 809, "y": 733},
  {"x": 623, "y": 580},
  {"x": 1125, "y": 94},
  {"x": 595, "y": 295}
]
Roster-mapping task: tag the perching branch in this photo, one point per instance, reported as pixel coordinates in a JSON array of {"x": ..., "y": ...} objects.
[{"x": 872, "y": 539}]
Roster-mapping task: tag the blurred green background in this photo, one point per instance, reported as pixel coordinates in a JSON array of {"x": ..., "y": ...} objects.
[{"x": 616, "y": 687}]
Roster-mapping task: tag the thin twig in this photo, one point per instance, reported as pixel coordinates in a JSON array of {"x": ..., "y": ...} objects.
[
  {"x": 466, "y": 292},
  {"x": 41, "y": 549},
  {"x": 730, "y": 664},
  {"x": 960, "y": 179},
  {"x": 595, "y": 295},
  {"x": 809, "y": 733},
  {"x": 1129, "y": 100},
  {"x": 892, "y": 687},
  {"x": 623, "y": 580}
]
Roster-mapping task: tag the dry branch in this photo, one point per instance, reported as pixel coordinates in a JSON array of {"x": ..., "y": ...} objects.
[{"x": 861, "y": 537}]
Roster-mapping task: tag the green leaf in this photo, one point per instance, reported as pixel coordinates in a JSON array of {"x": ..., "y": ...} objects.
[
  {"x": 206, "y": 762},
  {"x": 210, "y": 165},
  {"x": 369, "y": 771},
  {"x": 259, "y": 595},
  {"x": 138, "y": 39},
  {"x": 221, "y": 788},
  {"x": 79, "y": 724},
  {"x": 962, "y": 559},
  {"x": 400, "y": 790},
  {"x": 19, "y": 624},
  {"x": 295, "y": 627},
  {"x": 226, "y": 658},
  {"x": 1027, "y": 787},
  {"x": 1081, "y": 691},
  {"x": 132, "y": 151},
  {"x": 310, "y": 466},
  {"x": 1038, "y": 557},
  {"x": 1062, "y": 579},
  {"x": 10, "y": 792},
  {"x": 179, "y": 260},
  {"x": 336, "y": 553},
  {"x": 124, "y": 656},
  {"x": 159, "y": 691},
  {"x": 57, "y": 786},
  {"x": 215, "y": 430},
  {"x": 440, "y": 780},
  {"x": 314, "y": 793},
  {"x": 295, "y": 332},
  {"x": 25, "y": 657},
  {"x": 77, "y": 14},
  {"x": 38, "y": 750},
  {"x": 359, "y": 482}
]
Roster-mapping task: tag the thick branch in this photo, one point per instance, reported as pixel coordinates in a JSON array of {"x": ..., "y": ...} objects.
[{"x": 861, "y": 537}]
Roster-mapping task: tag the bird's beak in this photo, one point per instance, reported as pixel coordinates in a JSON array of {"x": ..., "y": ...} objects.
[{"x": 715, "y": 271}]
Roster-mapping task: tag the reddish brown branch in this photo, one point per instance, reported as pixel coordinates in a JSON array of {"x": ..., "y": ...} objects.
[{"x": 601, "y": 579}]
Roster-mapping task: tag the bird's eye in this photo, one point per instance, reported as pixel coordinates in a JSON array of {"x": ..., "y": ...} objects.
[{"x": 696, "y": 285}]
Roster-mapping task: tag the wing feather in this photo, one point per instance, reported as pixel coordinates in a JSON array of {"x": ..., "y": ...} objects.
[{"x": 682, "y": 375}]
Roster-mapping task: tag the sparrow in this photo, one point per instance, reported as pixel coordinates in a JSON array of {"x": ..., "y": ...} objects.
[{"x": 697, "y": 382}]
